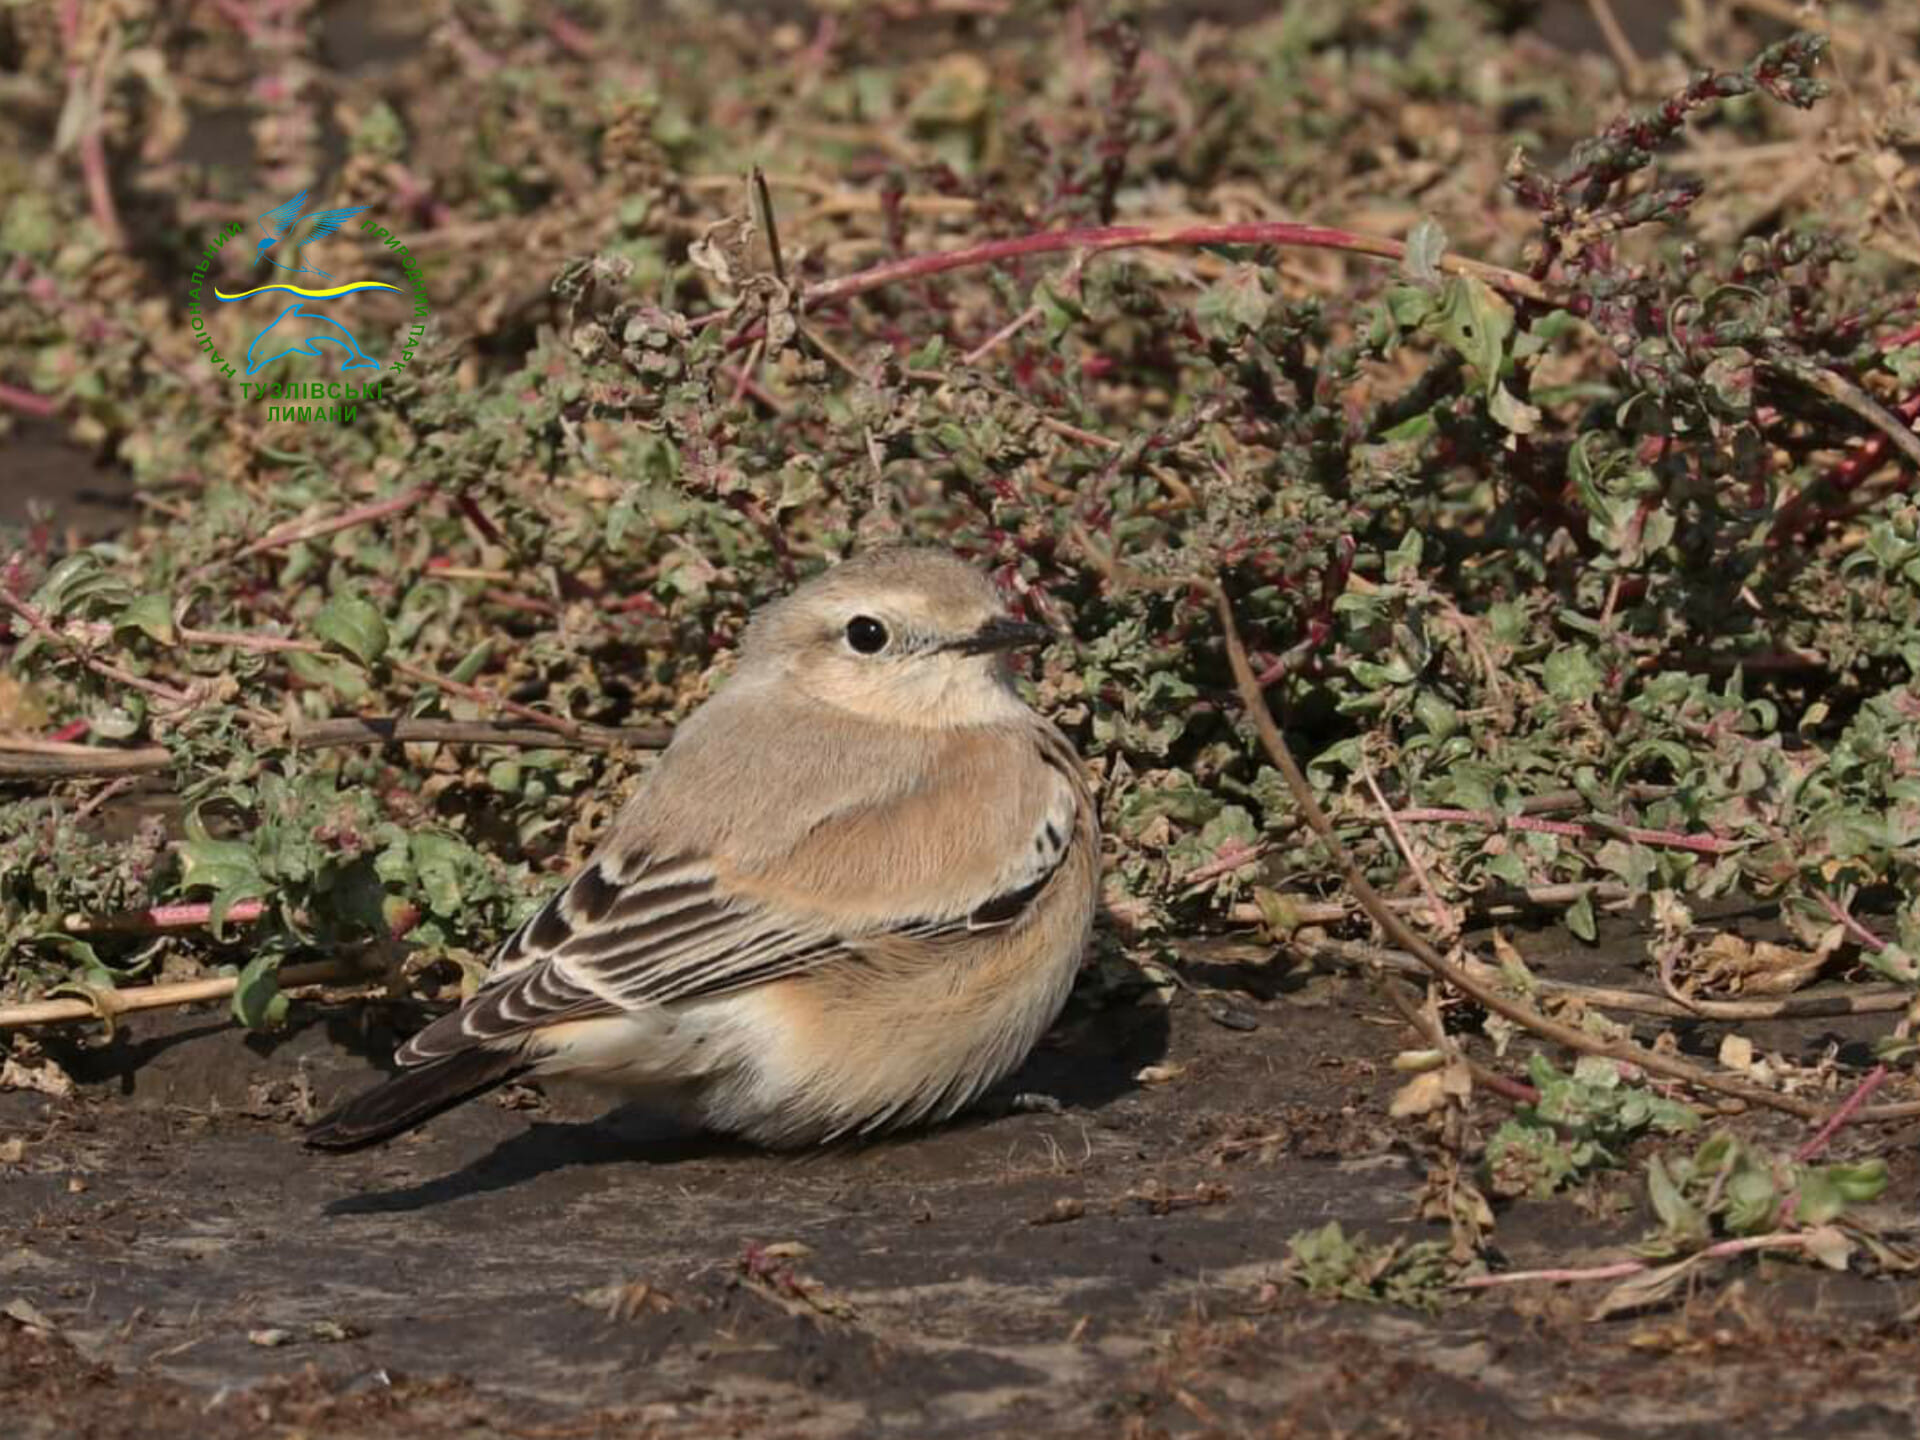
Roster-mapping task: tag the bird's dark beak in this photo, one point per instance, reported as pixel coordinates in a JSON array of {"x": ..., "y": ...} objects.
[{"x": 1001, "y": 633}]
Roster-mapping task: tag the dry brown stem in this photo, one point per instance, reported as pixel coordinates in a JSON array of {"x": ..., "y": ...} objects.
[
  {"x": 49, "y": 761},
  {"x": 108, "y": 1004}
]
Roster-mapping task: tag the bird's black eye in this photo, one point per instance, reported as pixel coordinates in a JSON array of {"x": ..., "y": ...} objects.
[{"x": 866, "y": 635}]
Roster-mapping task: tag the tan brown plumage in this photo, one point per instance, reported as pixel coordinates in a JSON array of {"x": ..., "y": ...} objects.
[{"x": 851, "y": 894}]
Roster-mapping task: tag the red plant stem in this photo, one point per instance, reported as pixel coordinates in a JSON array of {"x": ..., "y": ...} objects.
[
  {"x": 93, "y": 163},
  {"x": 1799, "y": 514},
  {"x": 42, "y": 626},
  {"x": 1094, "y": 239},
  {"x": 1849, "y": 1107},
  {"x": 190, "y": 917},
  {"x": 1233, "y": 856},
  {"x": 1507, "y": 1087},
  {"x": 93, "y": 149},
  {"x": 165, "y": 917},
  {"x": 479, "y": 518},
  {"x": 1853, "y": 927},
  {"x": 26, "y": 402},
  {"x": 240, "y": 16},
  {"x": 577, "y": 41},
  {"x": 1875, "y": 1077},
  {"x": 1620, "y": 1270},
  {"x": 557, "y": 723},
  {"x": 1671, "y": 839},
  {"x": 314, "y": 530}
]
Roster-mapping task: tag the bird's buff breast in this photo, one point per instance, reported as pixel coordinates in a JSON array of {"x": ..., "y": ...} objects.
[
  {"x": 827, "y": 1055},
  {"x": 813, "y": 1058}
]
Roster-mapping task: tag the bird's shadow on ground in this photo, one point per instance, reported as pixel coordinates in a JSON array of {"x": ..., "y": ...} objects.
[
  {"x": 628, "y": 1136},
  {"x": 1091, "y": 1065}
]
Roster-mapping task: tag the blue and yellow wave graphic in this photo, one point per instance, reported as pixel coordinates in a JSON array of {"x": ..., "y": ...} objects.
[{"x": 310, "y": 294}]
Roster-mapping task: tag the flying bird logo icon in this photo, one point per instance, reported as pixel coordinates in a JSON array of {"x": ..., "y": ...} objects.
[{"x": 280, "y": 222}]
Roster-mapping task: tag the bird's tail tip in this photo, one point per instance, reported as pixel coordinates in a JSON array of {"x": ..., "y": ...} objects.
[{"x": 411, "y": 1098}]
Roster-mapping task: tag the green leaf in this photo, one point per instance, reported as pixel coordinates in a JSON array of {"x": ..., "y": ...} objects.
[
  {"x": 1510, "y": 867},
  {"x": 475, "y": 661},
  {"x": 213, "y": 863},
  {"x": 437, "y": 862},
  {"x": 1235, "y": 303},
  {"x": 351, "y": 624},
  {"x": 1512, "y": 414},
  {"x": 1678, "y": 1216},
  {"x": 336, "y": 675},
  {"x": 230, "y": 868},
  {"x": 1819, "y": 1199},
  {"x": 1861, "y": 1183},
  {"x": 1403, "y": 561},
  {"x": 1059, "y": 312},
  {"x": 1426, "y": 243},
  {"x": 1580, "y": 919},
  {"x": 1752, "y": 1200},
  {"x": 1476, "y": 322},
  {"x": 1438, "y": 717},
  {"x": 258, "y": 1003},
  {"x": 152, "y": 615},
  {"x": 1570, "y": 674},
  {"x": 1410, "y": 306},
  {"x": 93, "y": 971}
]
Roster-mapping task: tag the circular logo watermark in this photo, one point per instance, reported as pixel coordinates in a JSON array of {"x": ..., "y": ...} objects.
[{"x": 316, "y": 331}]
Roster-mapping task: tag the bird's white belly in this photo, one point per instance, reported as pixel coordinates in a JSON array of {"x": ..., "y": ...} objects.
[{"x": 644, "y": 1048}]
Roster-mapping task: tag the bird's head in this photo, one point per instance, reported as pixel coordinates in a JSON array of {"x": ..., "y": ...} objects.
[{"x": 902, "y": 636}]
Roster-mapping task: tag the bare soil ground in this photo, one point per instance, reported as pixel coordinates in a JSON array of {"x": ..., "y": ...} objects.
[
  {"x": 173, "y": 1263},
  {"x": 538, "y": 1267}
]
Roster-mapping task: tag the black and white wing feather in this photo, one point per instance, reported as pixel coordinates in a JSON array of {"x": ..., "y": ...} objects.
[{"x": 604, "y": 945}]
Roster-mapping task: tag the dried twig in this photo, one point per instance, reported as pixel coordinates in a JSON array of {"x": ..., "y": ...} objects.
[
  {"x": 107, "y": 1004},
  {"x": 1428, "y": 1026},
  {"x": 558, "y": 724},
  {"x": 1822, "y": 1004},
  {"x": 1617, "y": 42},
  {"x": 83, "y": 761},
  {"x": 1743, "y": 1245},
  {"x": 1545, "y": 897},
  {"x": 1435, "y": 905}
]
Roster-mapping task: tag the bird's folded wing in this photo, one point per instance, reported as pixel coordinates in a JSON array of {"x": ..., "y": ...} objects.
[
  {"x": 601, "y": 946},
  {"x": 630, "y": 931}
]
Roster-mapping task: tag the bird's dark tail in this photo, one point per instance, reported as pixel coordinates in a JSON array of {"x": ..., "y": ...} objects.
[{"x": 413, "y": 1097}]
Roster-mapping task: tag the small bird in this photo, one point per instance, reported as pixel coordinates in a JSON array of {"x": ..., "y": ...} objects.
[
  {"x": 850, "y": 895},
  {"x": 279, "y": 222}
]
